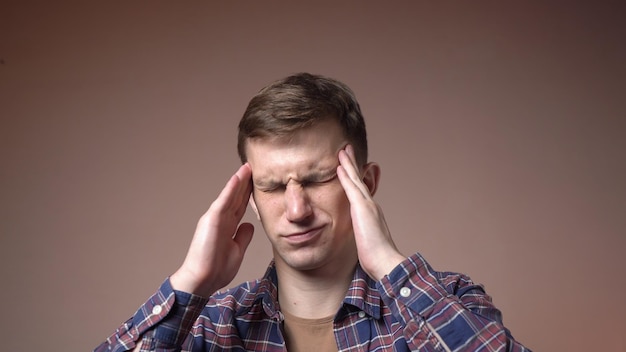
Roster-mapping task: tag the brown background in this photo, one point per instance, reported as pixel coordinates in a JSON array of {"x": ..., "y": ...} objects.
[{"x": 499, "y": 127}]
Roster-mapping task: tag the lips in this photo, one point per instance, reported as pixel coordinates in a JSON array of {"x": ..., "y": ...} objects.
[{"x": 303, "y": 237}]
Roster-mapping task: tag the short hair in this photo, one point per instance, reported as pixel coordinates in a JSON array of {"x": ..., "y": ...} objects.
[{"x": 300, "y": 101}]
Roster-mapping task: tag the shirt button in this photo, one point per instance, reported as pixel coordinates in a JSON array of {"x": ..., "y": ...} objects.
[
  {"x": 361, "y": 314},
  {"x": 405, "y": 292},
  {"x": 156, "y": 310}
]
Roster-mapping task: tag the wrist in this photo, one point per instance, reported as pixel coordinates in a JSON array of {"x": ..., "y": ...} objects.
[
  {"x": 384, "y": 266},
  {"x": 390, "y": 264},
  {"x": 184, "y": 281}
]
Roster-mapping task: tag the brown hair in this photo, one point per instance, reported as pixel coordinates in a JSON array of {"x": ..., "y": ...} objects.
[{"x": 301, "y": 101}]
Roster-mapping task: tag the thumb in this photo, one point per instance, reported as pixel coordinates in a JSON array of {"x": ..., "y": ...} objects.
[{"x": 243, "y": 237}]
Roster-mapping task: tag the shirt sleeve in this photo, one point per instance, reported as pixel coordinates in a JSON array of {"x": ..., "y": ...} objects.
[
  {"x": 447, "y": 310},
  {"x": 161, "y": 324}
]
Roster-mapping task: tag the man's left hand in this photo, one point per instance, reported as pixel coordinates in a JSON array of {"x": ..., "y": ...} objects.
[{"x": 377, "y": 252}]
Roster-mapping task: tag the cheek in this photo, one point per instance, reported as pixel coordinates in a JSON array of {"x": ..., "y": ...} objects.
[
  {"x": 267, "y": 205},
  {"x": 332, "y": 199}
]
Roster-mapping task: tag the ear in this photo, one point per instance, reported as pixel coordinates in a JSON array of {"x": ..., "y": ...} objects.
[
  {"x": 371, "y": 176},
  {"x": 253, "y": 206}
]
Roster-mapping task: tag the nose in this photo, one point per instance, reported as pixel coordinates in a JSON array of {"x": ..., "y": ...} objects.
[{"x": 297, "y": 203}]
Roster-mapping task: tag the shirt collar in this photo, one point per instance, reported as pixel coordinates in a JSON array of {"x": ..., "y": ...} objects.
[{"x": 362, "y": 293}]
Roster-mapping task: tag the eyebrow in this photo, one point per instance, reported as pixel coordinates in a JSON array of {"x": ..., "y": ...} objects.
[
  {"x": 313, "y": 176},
  {"x": 320, "y": 176}
]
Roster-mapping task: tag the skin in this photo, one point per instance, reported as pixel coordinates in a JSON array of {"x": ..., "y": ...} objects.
[
  {"x": 300, "y": 201},
  {"x": 316, "y": 206}
]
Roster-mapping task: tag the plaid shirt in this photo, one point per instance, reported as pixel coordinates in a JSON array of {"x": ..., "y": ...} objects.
[{"x": 414, "y": 308}]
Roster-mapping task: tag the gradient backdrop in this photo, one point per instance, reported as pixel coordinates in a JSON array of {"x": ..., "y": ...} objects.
[{"x": 499, "y": 126}]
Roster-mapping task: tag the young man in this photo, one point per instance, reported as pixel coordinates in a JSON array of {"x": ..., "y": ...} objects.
[{"x": 337, "y": 281}]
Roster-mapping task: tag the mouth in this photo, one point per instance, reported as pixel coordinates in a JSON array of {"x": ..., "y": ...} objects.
[{"x": 299, "y": 238}]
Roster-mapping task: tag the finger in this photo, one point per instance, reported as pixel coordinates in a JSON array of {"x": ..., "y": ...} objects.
[
  {"x": 243, "y": 175},
  {"x": 233, "y": 193},
  {"x": 348, "y": 185},
  {"x": 243, "y": 237},
  {"x": 354, "y": 194},
  {"x": 350, "y": 151},
  {"x": 348, "y": 163},
  {"x": 348, "y": 166},
  {"x": 244, "y": 189},
  {"x": 347, "y": 176}
]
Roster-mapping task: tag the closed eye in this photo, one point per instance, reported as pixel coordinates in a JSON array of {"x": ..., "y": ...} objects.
[
  {"x": 314, "y": 180},
  {"x": 271, "y": 189},
  {"x": 319, "y": 181}
]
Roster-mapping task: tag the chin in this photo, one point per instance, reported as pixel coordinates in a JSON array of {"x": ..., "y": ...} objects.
[{"x": 303, "y": 261}]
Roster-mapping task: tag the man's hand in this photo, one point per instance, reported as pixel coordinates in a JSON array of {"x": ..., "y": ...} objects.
[
  {"x": 378, "y": 254},
  {"x": 219, "y": 243}
]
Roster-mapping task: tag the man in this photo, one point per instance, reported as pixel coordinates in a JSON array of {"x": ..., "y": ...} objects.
[{"x": 337, "y": 281}]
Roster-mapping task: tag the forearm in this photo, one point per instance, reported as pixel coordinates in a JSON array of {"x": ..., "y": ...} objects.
[
  {"x": 161, "y": 324},
  {"x": 448, "y": 310}
]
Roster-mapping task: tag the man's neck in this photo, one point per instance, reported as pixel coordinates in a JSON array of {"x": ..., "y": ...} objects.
[{"x": 313, "y": 294}]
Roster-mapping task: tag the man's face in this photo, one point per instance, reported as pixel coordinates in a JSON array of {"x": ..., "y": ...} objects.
[{"x": 299, "y": 200}]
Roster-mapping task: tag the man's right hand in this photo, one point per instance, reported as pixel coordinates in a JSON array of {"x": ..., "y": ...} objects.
[{"x": 219, "y": 243}]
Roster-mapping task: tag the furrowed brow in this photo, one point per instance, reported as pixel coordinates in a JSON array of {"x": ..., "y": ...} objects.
[
  {"x": 316, "y": 176},
  {"x": 265, "y": 183},
  {"x": 321, "y": 176}
]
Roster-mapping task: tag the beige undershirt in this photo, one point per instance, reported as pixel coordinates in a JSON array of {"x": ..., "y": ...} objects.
[{"x": 309, "y": 335}]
